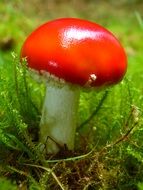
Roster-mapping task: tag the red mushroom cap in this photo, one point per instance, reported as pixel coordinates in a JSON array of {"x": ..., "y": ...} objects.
[{"x": 76, "y": 50}]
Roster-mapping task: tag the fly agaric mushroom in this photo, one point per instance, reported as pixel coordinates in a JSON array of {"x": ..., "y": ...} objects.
[{"x": 71, "y": 53}]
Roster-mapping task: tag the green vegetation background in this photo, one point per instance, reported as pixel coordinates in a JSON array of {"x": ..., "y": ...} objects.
[{"x": 109, "y": 141}]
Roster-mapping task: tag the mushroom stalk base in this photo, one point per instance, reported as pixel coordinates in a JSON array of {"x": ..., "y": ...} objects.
[{"x": 59, "y": 115}]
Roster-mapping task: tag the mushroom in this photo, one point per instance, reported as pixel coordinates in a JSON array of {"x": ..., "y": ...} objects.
[{"x": 71, "y": 53}]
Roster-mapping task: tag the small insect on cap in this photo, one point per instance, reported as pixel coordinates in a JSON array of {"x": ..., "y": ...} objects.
[{"x": 78, "y": 51}]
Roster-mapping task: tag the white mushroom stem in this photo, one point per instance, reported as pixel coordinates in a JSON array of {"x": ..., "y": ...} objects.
[{"x": 59, "y": 115}]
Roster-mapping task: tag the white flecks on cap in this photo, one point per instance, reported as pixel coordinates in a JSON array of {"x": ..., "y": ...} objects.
[{"x": 91, "y": 79}]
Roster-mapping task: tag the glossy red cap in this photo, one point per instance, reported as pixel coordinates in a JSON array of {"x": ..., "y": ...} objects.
[{"x": 78, "y": 51}]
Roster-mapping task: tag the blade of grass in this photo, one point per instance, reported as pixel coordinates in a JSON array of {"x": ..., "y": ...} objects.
[
  {"x": 95, "y": 111},
  {"x": 72, "y": 158},
  {"x": 20, "y": 145},
  {"x": 50, "y": 171},
  {"x": 139, "y": 19},
  {"x": 23, "y": 173}
]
